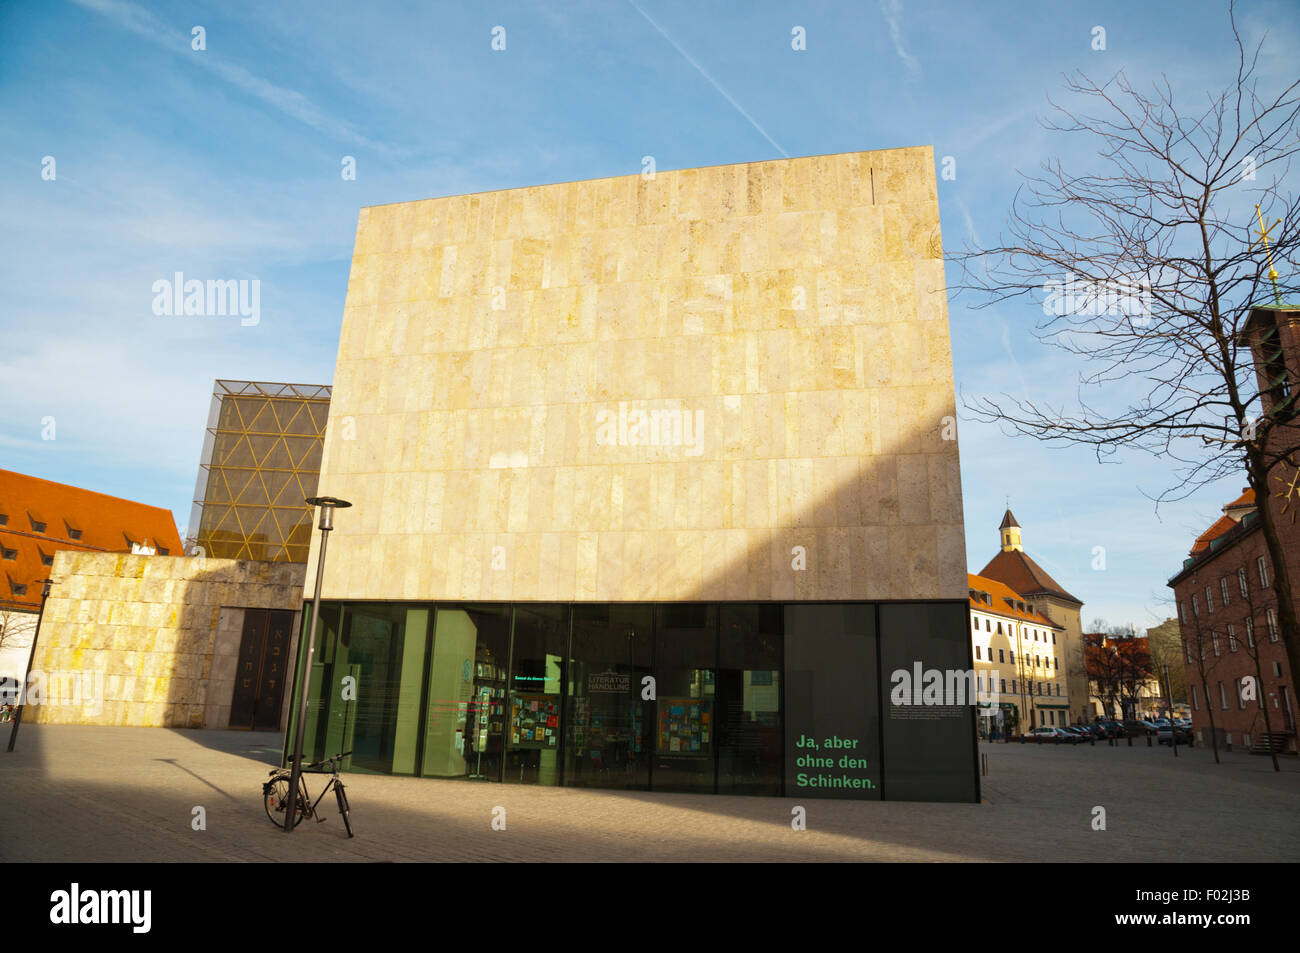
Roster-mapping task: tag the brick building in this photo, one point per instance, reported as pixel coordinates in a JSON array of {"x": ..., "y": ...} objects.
[
  {"x": 1227, "y": 616},
  {"x": 1238, "y": 671}
]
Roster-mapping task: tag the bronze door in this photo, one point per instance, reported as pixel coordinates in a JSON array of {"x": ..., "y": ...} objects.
[{"x": 262, "y": 669}]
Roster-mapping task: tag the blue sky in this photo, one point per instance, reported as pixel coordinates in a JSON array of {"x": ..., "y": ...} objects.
[{"x": 226, "y": 163}]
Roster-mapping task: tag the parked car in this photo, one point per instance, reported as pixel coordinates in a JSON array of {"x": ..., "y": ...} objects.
[
  {"x": 1053, "y": 735},
  {"x": 1165, "y": 732},
  {"x": 1080, "y": 732},
  {"x": 1110, "y": 729},
  {"x": 1136, "y": 727}
]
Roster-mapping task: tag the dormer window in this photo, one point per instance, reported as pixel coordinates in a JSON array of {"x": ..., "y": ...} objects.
[
  {"x": 37, "y": 521},
  {"x": 74, "y": 528}
]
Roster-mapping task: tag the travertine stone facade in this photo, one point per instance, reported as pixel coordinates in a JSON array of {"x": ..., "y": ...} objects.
[
  {"x": 164, "y": 631},
  {"x": 651, "y": 388}
]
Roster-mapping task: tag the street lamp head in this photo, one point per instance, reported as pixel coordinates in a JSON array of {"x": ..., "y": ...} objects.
[
  {"x": 327, "y": 506},
  {"x": 45, "y": 588}
]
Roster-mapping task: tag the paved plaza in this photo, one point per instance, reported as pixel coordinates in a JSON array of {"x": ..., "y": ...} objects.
[{"x": 74, "y": 793}]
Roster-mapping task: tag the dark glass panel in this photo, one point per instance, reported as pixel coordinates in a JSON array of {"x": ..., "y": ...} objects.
[
  {"x": 832, "y": 735},
  {"x": 607, "y": 731},
  {"x": 685, "y": 660},
  {"x": 929, "y": 734},
  {"x": 533, "y": 709},
  {"x": 749, "y": 699}
]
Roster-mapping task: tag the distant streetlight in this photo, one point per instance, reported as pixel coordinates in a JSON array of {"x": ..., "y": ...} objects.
[
  {"x": 1169, "y": 695},
  {"x": 327, "y": 506},
  {"x": 31, "y": 655}
]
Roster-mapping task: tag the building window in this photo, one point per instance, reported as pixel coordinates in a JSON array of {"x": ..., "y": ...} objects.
[
  {"x": 1003, "y": 682},
  {"x": 1182, "y": 612},
  {"x": 47, "y": 559},
  {"x": 19, "y": 588},
  {"x": 1196, "y": 699},
  {"x": 1053, "y": 638},
  {"x": 1262, "y": 566},
  {"x": 1001, "y": 658},
  {"x": 1012, "y": 653},
  {"x": 1209, "y": 599},
  {"x": 1214, "y": 637},
  {"x": 1241, "y": 696},
  {"x": 1272, "y": 625},
  {"x": 1013, "y": 686},
  {"x": 1188, "y": 646},
  {"x": 1196, "y": 610},
  {"x": 975, "y": 625},
  {"x": 1223, "y": 697},
  {"x": 1242, "y": 584},
  {"x": 8, "y": 553},
  {"x": 977, "y": 655},
  {"x": 1223, "y": 589},
  {"x": 74, "y": 533},
  {"x": 38, "y": 526},
  {"x": 4, "y": 518},
  {"x": 1250, "y": 632},
  {"x": 1232, "y": 639},
  {"x": 999, "y": 628}
]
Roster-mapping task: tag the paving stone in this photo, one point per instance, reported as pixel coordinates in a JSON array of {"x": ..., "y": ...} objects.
[{"x": 92, "y": 793}]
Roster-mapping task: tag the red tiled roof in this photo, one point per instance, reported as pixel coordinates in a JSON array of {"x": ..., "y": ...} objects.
[
  {"x": 1217, "y": 529},
  {"x": 1004, "y": 600},
  {"x": 1016, "y": 570},
  {"x": 106, "y": 523},
  {"x": 1247, "y": 498}
]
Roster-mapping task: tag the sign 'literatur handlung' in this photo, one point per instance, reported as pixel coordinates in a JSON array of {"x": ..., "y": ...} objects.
[{"x": 608, "y": 681}]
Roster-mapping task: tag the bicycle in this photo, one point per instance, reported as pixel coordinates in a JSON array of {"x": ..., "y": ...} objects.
[{"x": 275, "y": 793}]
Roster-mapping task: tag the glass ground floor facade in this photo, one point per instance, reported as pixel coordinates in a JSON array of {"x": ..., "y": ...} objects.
[{"x": 729, "y": 698}]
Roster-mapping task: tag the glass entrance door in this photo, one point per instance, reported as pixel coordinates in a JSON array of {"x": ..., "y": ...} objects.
[{"x": 607, "y": 725}]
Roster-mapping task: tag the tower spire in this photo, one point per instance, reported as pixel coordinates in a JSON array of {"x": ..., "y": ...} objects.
[{"x": 1009, "y": 532}]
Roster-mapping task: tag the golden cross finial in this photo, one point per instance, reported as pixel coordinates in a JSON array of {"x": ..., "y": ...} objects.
[{"x": 1263, "y": 238}]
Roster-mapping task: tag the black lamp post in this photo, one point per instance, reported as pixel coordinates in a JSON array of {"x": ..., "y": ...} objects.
[
  {"x": 31, "y": 656},
  {"x": 327, "y": 506},
  {"x": 1169, "y": 695}
]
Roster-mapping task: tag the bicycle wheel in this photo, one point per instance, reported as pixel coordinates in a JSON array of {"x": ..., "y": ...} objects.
[
  {"x": 343, "y": 807},
  {"x": 275, "y": 797}
]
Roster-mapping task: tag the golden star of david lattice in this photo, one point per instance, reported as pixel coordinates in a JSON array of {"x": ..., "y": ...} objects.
[{"x": 1289, "y": 495}]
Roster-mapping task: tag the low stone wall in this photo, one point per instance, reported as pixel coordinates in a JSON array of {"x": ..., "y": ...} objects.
[{"x": 156, "y": 638}]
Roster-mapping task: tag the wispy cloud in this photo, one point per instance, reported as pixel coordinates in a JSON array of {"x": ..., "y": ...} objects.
[
  {"x": 290, "y": 102},
  {"x": 705, "y": 73},
  {"x": 893, "y": 11}
]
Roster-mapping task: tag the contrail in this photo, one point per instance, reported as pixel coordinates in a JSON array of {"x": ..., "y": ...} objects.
[{"x": 703, "y": 72}]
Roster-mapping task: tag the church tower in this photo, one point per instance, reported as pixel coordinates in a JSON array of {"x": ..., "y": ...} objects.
[{"x": 1010, "y": 531}]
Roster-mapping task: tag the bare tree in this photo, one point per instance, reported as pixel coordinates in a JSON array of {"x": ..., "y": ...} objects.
[
  {"x": 1203, "y": 654},
  {"x": 1153, "y": 270},
  {"x": 1250, "y": 644},
  {"x": 1166, "y": 647},
  {"x": 1102, "y": 668}
]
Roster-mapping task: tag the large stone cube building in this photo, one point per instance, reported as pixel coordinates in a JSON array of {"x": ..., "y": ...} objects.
[{"x": 686, "y": 427}]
